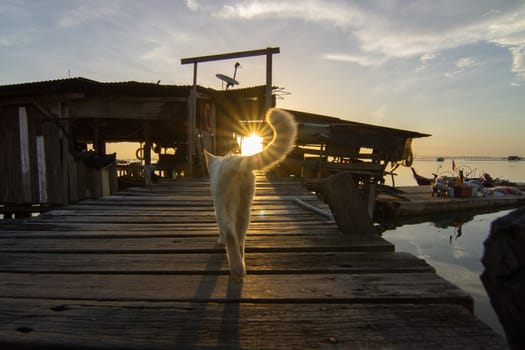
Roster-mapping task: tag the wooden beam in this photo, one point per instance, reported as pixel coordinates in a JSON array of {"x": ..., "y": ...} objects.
[
  {"x": 227, "y": 56},
  {"x": 125, "y": 109}
]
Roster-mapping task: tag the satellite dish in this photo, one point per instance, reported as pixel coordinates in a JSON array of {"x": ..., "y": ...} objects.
[{"x": 228, "y": 80}]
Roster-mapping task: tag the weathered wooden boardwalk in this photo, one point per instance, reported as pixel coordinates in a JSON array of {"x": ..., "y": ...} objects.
[{"x": 141, "y": 270}]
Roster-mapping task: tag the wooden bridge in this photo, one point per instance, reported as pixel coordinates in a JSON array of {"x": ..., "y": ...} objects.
[{"x": 141, "y": 270}]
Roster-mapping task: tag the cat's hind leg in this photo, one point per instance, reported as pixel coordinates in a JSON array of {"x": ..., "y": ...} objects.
[
  {"x": 221, "y": 240},
  {"x": 228, "y": 237},
  {"x": 234, "y": 251},
  {"x": 222, "y": 221}
]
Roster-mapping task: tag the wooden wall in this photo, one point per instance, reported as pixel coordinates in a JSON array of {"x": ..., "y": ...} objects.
[{"x": 36, "y": 166}]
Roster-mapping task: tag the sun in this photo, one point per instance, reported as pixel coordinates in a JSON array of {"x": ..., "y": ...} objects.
[{"x": 251, "y": 144}]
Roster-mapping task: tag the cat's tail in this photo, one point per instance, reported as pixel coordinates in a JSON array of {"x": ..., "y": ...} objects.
[{"x": 284, "y": 134}]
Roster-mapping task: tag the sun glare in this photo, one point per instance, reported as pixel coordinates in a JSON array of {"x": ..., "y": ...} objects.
[{"x": 251, "y": 144}]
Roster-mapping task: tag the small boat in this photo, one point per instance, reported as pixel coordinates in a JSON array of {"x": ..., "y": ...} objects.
[
  {"x": 421, "y": 180},
  {"x": 513, "y": 158}
]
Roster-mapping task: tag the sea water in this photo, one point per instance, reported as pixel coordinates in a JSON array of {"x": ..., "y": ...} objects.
[{"x": 454, "y": 246}]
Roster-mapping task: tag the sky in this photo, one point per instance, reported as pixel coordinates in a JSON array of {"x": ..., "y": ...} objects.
[{"x": 451, "y": 68}]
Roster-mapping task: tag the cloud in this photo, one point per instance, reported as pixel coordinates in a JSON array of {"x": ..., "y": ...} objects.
[
  {"x": 466, "y": 62},
  {"x": 192, "y": 5},
  {"x": 509, "y": 32},
  {"x": 518, "y": 60},
  {"x": 424, "y": 59},
  {"x": 427, "y": 57},
  {"x": 313, "y": 11},
  {"x": 401, "y": 29},
  {"x": 163, "y": 50},
  {"x": 363, "y": 60},
  {"x": 87, "y": 11},
  {"x": 463, "y": 64}
]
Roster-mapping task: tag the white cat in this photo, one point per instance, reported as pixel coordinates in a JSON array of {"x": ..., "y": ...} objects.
[{"x": 233, "y": 186}]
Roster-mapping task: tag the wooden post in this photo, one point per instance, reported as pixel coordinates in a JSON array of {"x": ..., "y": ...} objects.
[
  {"x": 71, "y": 176},
  {"x": 372, "y": 189},
  {"x": 213, "y": 120},
  {"x": 25, "y": 165},
  {"x": 192, "y": 115},
  {"x": 269, "y": 99},
  {"x": 347, "y": 206},
  {"x": 41, "y": 166},
  {"x": 147, "y": 144},
  {"x": 99, "y": 144}
]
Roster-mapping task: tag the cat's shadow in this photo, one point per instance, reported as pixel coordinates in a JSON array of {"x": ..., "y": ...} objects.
[
  {"x": 229, "y": 332},
  {"x": 206, "y": 306}
]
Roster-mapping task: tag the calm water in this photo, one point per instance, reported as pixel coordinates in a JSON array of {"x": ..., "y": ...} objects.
[{"x": 455, "y": 254}]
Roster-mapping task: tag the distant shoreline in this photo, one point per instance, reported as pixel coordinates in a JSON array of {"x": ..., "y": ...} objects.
[{"x": 472, "y": 158}]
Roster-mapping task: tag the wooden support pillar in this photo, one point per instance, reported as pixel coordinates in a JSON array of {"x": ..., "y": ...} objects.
[
  {"x": 41, "y": 167},
  {"x": 192, "y": 116},
  {"x": 372, "y": 192},
  {"x": 147, "y": 144},
  {"x": 101, "y": 146},
  {"x": 25, "y": 164},
  {"x": 347, "y": 205},
  {"x": 63, "y": 113},
  {"x": 269, "y": 97},
  {"x": 99, "y": 143}
]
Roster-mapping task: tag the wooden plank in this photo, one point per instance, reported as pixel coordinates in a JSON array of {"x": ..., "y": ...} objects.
[
  {"x": 282, "y": 228},
  {"x": 181, "y": 263},
  {"x": 123, "y": 229},
  {"x": 163, "y": 210},
  {"x": 406, "y": 288},
  {"x": 175, "y": 325},
  {"x": 159, "y": 219},
  {"x": 196, "y": 244},
  {"x": 180, "y": 199}
]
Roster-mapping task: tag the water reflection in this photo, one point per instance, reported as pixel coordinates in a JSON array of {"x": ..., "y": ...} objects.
[
  {"x": 454, "y": 220},
  {"x": 453, "y": 245},
  {"x": 457, "y": 232}
]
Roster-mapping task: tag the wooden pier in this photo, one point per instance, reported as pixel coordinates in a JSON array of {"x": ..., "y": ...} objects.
[
  {"x": 418, "y": 201},
  {"x": 141, "y": 270}
]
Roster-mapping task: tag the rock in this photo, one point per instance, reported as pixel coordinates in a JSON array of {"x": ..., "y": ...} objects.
[{"x": 504, "y": 275}]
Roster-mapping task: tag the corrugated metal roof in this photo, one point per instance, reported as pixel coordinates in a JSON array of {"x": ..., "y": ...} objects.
[
  {"x": 94, "y": 88},
  {"x": 305, "y": 117},
  {"x": 91, "y": 87}
]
